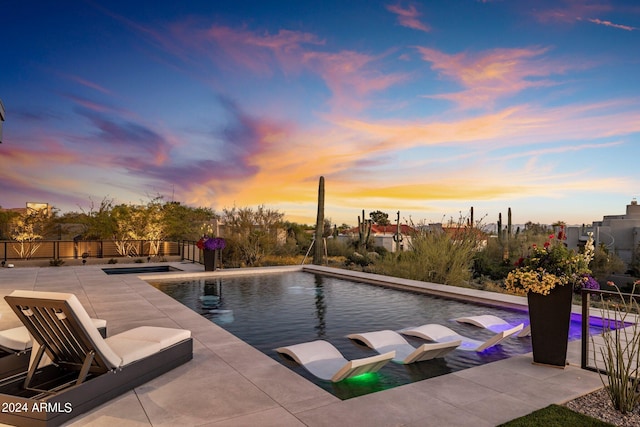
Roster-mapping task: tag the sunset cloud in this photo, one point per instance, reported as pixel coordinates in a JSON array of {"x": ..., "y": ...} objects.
[
  {"x": 611, "y": 24},
  {"x": 569, "y": 11},
  {"x": 488, "y": 104},
  {"x": 488, "y": 76},
  {"x": 409, "y": 17}
]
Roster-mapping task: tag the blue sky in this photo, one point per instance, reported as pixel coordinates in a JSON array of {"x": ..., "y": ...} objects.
[{"x": 428, "y": 108}]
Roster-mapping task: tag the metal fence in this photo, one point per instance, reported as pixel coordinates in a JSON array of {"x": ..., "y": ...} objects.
[{"x": 62, "y": 249}]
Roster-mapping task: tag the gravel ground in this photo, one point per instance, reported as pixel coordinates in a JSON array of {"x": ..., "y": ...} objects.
[{"x": 598, "y": 405}]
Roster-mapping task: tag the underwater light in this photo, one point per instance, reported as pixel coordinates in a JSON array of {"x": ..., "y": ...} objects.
[{"x": 363, "y": 378}]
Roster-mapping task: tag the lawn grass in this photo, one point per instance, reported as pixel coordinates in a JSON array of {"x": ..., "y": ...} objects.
[{"x": 555, "y": 416}]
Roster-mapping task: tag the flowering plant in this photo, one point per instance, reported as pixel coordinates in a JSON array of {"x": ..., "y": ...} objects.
[
  {"x": 211, "y": 243},
  {"x": 550, "y": 266}
]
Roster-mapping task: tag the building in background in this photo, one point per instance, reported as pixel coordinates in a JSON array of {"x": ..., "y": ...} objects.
[{"x": 618, "y": 233}]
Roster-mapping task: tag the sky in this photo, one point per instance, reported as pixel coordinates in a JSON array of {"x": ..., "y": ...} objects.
[{"x": 426, "y": 108}]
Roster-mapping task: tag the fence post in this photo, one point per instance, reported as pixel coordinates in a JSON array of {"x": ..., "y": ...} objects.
[{"x": 586, "y": 300}]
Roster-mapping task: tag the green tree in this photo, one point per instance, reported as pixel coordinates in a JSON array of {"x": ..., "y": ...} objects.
[
  {"x": 299, "y": 237},
  {"x": 28, "y": 230},
  {"x": 5, "y": 220},
  {"x": 535, "y": 229},
  {"x": 252, "y": 233},
  {"x": 99, "y": 222},
  {"x": 184, "y": 222},
  {"x": 379, "y": 217}
]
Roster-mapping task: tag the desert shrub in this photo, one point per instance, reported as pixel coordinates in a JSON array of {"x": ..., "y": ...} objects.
[
  {"x": 112, "y": 261},
  {"x": 434, "y": 256},
  {"x": 499, "y": 256},
  {"x": 605, "y": 263},
  {"x": 338, "y": 248},
  {"x": 57, "y": 262},
  {"x": 358, "y": 259},
  {"x": 139, "y": 261},
  {"x": 620, "y": 352}
]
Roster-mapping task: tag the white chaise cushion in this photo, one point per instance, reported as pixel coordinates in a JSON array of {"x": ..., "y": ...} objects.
[
  {"x": 17, "y": 339},
  {"x": 130, "y": 350},
  {"x": 164, "y": 336},
  {"x": 110, "y": 357},
  {"x": 143, "y": 341}
]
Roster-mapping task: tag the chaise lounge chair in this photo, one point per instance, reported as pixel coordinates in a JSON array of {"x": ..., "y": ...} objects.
[
  {"x": 384, "y": 341},
  {"x": 326, "y": 362},
  {"x": 440, "y": 333},
  {"x": 494, "y": 324},
  {"x": 86, "y": 370},
  {"x": 15, "y": 348}
]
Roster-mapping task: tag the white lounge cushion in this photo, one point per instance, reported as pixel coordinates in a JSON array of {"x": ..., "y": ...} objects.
[
  {"x": 18, "y": 338},
  {"x": 440, "y": 333},
  {"x": 494, "y": 324},
  {"x": 130, "y": 350},
  {"x": 326, "y": 362},
  {"x": 164, "y": 336},
  {"x": 143, "y": 341},
  {"x": 387, "y": 340}
]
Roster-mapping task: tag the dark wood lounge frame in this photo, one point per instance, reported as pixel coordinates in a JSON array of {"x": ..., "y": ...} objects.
[
  {"x": 14, "y": 362},
  {"x": 81, "y": 376}
]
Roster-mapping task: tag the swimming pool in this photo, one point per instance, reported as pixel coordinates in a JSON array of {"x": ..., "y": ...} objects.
[{"x": 273, "y": 310}]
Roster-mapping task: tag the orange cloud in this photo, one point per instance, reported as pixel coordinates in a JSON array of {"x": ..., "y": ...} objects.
[
  {"x": 290, "y": 163},
  {"x": 409, "y": 17}
]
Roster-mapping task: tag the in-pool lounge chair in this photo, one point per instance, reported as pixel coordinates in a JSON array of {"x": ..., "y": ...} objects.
[
  {"x": 15, "y": 348},
  {"x": 385, "y": 341},
  {"x": 440, "y": 333},
  {"x": 494, "y": 324},
  {"x": 326, "y": 362},
  {"x": 86, "y": 370}
]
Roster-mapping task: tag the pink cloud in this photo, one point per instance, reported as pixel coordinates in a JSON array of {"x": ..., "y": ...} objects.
[
  {"x": 611, "y": 24},
  {"x": 89, "y": 84},
  {"x": 493, "y": 74},
  {"x": 409, "y": 17},
  {"x": 569, "y": 11},
  {"x": 351, "y": 76}
]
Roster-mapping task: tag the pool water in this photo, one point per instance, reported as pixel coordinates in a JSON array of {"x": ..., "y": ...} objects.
[{"x": 274, "y": 310}]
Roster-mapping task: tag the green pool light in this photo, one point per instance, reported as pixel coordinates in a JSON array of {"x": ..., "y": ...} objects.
[{"x": 367, "y": 377}]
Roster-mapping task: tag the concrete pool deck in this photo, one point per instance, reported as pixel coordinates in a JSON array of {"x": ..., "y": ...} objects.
[{"x": 230, "y": 383}]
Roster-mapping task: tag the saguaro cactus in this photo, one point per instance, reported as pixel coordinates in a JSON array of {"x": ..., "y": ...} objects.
[
  {"x": 509, "y": 230},
  {"x": 364, "y": 231},
  {"x": 318, "y": 253},
  {"x": 499, "y": 226},
  {"x": 397, "y": 237}
]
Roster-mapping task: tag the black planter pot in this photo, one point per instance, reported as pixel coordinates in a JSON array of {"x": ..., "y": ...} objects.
[
  {"x": 209, "y": 260},
  {"x": 550, "y": 317}
]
